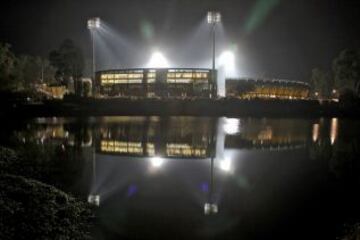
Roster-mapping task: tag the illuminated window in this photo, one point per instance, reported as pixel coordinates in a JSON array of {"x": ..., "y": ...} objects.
[
  {"x": 135, "y": 81},
  {"x": 183, "y": 80},
  {"x": 151, "y": 75}
]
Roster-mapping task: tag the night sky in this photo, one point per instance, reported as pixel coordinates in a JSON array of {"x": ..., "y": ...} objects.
[{"x": 279, "y": 38}]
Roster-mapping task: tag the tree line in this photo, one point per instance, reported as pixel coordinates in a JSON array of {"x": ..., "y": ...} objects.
[
  {"x": 343, "y": 78},
  {"x": 23, "y": 72}
]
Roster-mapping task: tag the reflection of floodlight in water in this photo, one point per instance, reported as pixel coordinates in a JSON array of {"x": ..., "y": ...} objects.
[
  {"x": 157, "y": 162},
  {"x": 333, "y": 130},
  {"x": 158, "y": 60},
  {"x": 227, "y": 61},
  {"x": 94, "y": 200},
  {"x": 231, "y": 126},
  {"x": 225, "y": 165},
  {"x": 315, "y": 132},
  {"x": 210, "y": 208}
]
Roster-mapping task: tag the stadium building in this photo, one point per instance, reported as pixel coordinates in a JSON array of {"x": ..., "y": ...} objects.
[
  {"x": 262, "y": 88},
  {"x": 157, "y": 83}
]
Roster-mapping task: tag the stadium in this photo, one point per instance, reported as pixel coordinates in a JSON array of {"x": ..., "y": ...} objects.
[
  {"x": 245, "y": 88},
  {"x": 191, "y": 83}
]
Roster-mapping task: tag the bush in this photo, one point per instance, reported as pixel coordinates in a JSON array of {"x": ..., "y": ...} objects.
[
  {"x": 33, "y": 210},
  {"x": 352, "y": 232},
  {"x": 7, "y": 158},
  {"x": 30, "y": 209}
]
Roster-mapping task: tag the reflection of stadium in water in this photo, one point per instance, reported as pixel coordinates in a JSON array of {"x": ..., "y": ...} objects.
[
  {"x": 271, "y": 134},
  {"x": 174, "y": 137},
  {"x": 218, "y": 141},
  {"x": 180, "y": 137},
  {"x": 187, "y": 137}
]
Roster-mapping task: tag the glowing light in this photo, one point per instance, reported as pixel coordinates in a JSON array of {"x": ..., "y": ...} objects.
[
  {"x": 210, "y": 208},
  {"x": 213, "y": 17},
  {"x": 225, "y": 165},
  {"x": 94, "y": 200},
  {"x": 315, "y": 132},
  {"x": 157, "y": 162},
  {"x": 333, "y": 130},
  {"x": 93, "y": 23},
  {"x": 227, "y": 62},
  {"x": 231, "y": 126},
  {"x": 158, "y": 60}
]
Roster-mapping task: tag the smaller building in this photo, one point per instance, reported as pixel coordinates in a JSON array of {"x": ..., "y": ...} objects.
[
  {"x": 245, "y": 88},
  {"x": 52, "y": 91}
]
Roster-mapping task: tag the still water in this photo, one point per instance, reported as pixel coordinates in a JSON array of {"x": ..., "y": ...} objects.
[{"x": 203, "y": 178}]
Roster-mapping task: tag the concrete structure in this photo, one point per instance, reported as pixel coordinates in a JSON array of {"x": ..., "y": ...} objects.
[
  {"x": 157, "y": 83},
  {"x": 263, "y": 88}
]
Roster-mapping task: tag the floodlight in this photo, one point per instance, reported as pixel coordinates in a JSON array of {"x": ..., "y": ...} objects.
[
  {"x": 93, "y": 23},
  {"x": 158, "y": 60},
  {"x": 213, "y": 17},
  {"x": 94, "y": 200}
]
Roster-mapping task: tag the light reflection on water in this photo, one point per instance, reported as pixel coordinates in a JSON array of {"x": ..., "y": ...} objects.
[{"x": 174, "y": 171}]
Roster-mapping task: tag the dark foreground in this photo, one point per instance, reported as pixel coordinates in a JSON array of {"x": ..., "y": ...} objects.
[{"x": 198, "y": 107}]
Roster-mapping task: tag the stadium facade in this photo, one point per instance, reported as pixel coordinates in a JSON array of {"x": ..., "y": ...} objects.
[
  {"x": 157, "y": 83},
  {"x": 245, "y": 88}
]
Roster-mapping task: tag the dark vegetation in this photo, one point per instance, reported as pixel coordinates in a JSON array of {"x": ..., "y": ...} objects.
[
  {"x": 342, "y": 76},
  {"x": 30, "y": 209},
  {"x": 23, "y": 72}
]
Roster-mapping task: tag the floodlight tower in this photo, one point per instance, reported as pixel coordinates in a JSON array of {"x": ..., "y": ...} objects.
[
  {"x": 213, "y": 19},
  {"x": 93, "y": 24}
]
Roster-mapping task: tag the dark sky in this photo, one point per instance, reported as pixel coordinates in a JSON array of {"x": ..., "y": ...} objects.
[{"x": 291, "y": 37}]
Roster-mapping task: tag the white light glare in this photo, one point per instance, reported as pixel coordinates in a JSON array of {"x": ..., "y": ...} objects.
[
  {"x": 94, "y": 200},
  {"x": 231, "y": 126},
  {"x": 227, "y": 62},
  {"x": 213, "y": 17},
  {"x": 210, "y": 208},
  {"x": 93, "y": 23},
  {"x": 157, "y": 162},
  {"x": 158, "y": 60},
  {"x": 225, "y": 165}
]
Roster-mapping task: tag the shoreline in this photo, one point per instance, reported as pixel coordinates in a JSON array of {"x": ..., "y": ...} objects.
[{"x": 175, "y": 107}]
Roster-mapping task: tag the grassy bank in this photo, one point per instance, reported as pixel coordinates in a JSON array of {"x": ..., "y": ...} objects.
[{"x": 186, "y": 107}]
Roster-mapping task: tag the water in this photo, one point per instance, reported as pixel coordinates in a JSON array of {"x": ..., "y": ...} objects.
[{"x": 201, "y": 178}]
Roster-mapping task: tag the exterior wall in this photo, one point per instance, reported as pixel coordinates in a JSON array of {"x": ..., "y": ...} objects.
[
  {"x": 279, "y": 89},
  {"x": 156, "y": 83}
]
